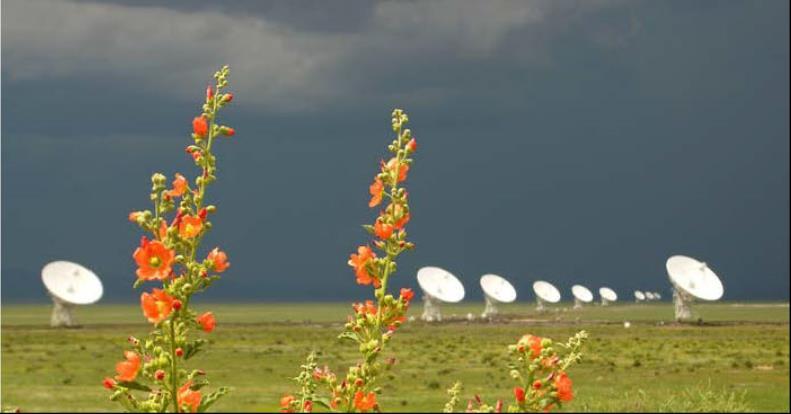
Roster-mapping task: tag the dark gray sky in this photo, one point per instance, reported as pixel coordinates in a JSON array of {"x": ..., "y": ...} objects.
[{"x": 571, "y": 141}]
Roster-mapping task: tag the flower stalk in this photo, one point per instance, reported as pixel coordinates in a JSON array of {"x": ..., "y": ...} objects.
[
  {"x": 167, "y": 256},
  {"x": 372, "y": 324}
]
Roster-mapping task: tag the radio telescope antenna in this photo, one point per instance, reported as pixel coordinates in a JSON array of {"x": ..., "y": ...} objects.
[
  {"x": 581, "y": 295},
  {"x": 649, "y": 296},
  {"x": 438, "y": 285},
  {"x": 545, "y": 292},
  {"x": 639, "y": 296},
  {"x": 496, "y": 290},
  {"x": 607, "y": 295},
  {"x": 691, "y": 279},
  {"x": 69, "y": 284}
]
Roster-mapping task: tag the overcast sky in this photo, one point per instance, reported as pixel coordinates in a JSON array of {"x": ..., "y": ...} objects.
[{"x": 577, "y": 142}]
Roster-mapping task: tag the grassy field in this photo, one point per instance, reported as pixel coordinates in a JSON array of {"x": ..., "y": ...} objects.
[{"x": 737, "y": 360}]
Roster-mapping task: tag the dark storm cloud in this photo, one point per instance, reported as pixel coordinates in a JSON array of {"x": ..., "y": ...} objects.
[{"x": 572, "y": 141}]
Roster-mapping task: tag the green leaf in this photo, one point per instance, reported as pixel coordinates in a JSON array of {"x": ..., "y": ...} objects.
[{"x": 211, "y": 398}]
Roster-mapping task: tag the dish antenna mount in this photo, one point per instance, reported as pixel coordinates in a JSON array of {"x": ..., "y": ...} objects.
[
  {"x": 69, "y": 284},
  {"x": 545, "y": 292},
  {"x": 496, "y": 289},
  {"x": 691, "y": 279},
  {"x": 438, "y": 285},
  {"x": 581, "y": 295},
  {"x": 607, "y": 295}
]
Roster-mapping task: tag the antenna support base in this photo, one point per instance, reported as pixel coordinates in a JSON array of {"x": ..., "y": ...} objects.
[
  {"x": 431, "y": 311},
  {"x": 682, "y": 305},
  {"x": 491, "y": 308},
  {"x": 61, "y": 314},
  {"x": 540, "y": 305}
]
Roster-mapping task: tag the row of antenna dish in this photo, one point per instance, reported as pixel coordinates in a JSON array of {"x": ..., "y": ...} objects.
[
  {"x": 439, "y": 285},
  {"x": 690, "y": 279},
  {"x": 71, "y": 284}
]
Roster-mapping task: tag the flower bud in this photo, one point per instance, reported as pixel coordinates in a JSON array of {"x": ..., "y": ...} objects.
[
  {"x": 159, "y": 375},
  {"x": 209, "y": 92},
  {"x": 179, "y": 352},
  {"x": 176, "y": 304},
  {"x": 227, "y": 131},
  {"x": 228, "y": 97},
  {"x": 411, "y": 145},
  {"x": 109, "y": 383}
]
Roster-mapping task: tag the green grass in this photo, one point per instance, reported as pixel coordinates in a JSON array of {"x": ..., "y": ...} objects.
[{"x": 737, "y": 361}]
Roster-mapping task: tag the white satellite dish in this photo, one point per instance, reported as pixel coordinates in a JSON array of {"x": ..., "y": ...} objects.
[
  {"x": 639, "y": 296},
  {"x": 691, "y": 279},
  {"x": 496, "y": 290},
  {"x": 69, "y": 284},
  {"x": 581, "y": 295},
  {"x": 649, "y": 295},
  {"x": 657, "y": 296},
  {"x": 607, "y": 295},
  {"x": 438, "y": 285},
  {"x": 545, "y": 292}
]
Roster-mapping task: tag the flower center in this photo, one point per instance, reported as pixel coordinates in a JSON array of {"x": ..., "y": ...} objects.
[{"x": 155, "y": 261}]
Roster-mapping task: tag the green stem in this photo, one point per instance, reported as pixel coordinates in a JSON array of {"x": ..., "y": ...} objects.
[{"x": 173, "y": 373}]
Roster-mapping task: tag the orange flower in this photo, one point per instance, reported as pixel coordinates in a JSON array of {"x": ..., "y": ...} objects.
[
  {"x": 383, "y": 230},
  {"x": 285, "y": 403},
  {"x": 188, "y": 397},
  {"x": 156, "y": 305},
  {"x": 199, "y": 126},
  {"x": 360, "y": 262},
  {"x": 364, "y": 402},
  {"x": 133, "y": 216},
  {"x": 534, "y": 342},
  {"x": 179, "y": 186},
  {"x": 563, "y": 385},
  {"x": 207, "y": 321},
  {"x": 163, "y": 230},
  {"x": 402, "y": 221},
  {"x": 377, "y": 190},
  {"x": 367, "y": 308},
  {"x": 519, "y": 394},
  {"x": 219, "y": 260},
  {"x": 403, "y": 168},
  {"x": 153, "y": 260},
  {"x": 127, "y": 370},
  {"x": 407, "y": 295},
  {"x": 190, "y": 226}
]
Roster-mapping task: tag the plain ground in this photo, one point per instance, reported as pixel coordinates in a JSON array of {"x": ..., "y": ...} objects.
[{"x": 737, "y": 360}]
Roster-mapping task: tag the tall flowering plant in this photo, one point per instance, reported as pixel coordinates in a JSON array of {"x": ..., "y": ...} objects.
[
  {"x": 169, "y": 256},
  {"x": 541, "y": 375},
  {"x": 373, "y": 322}
]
